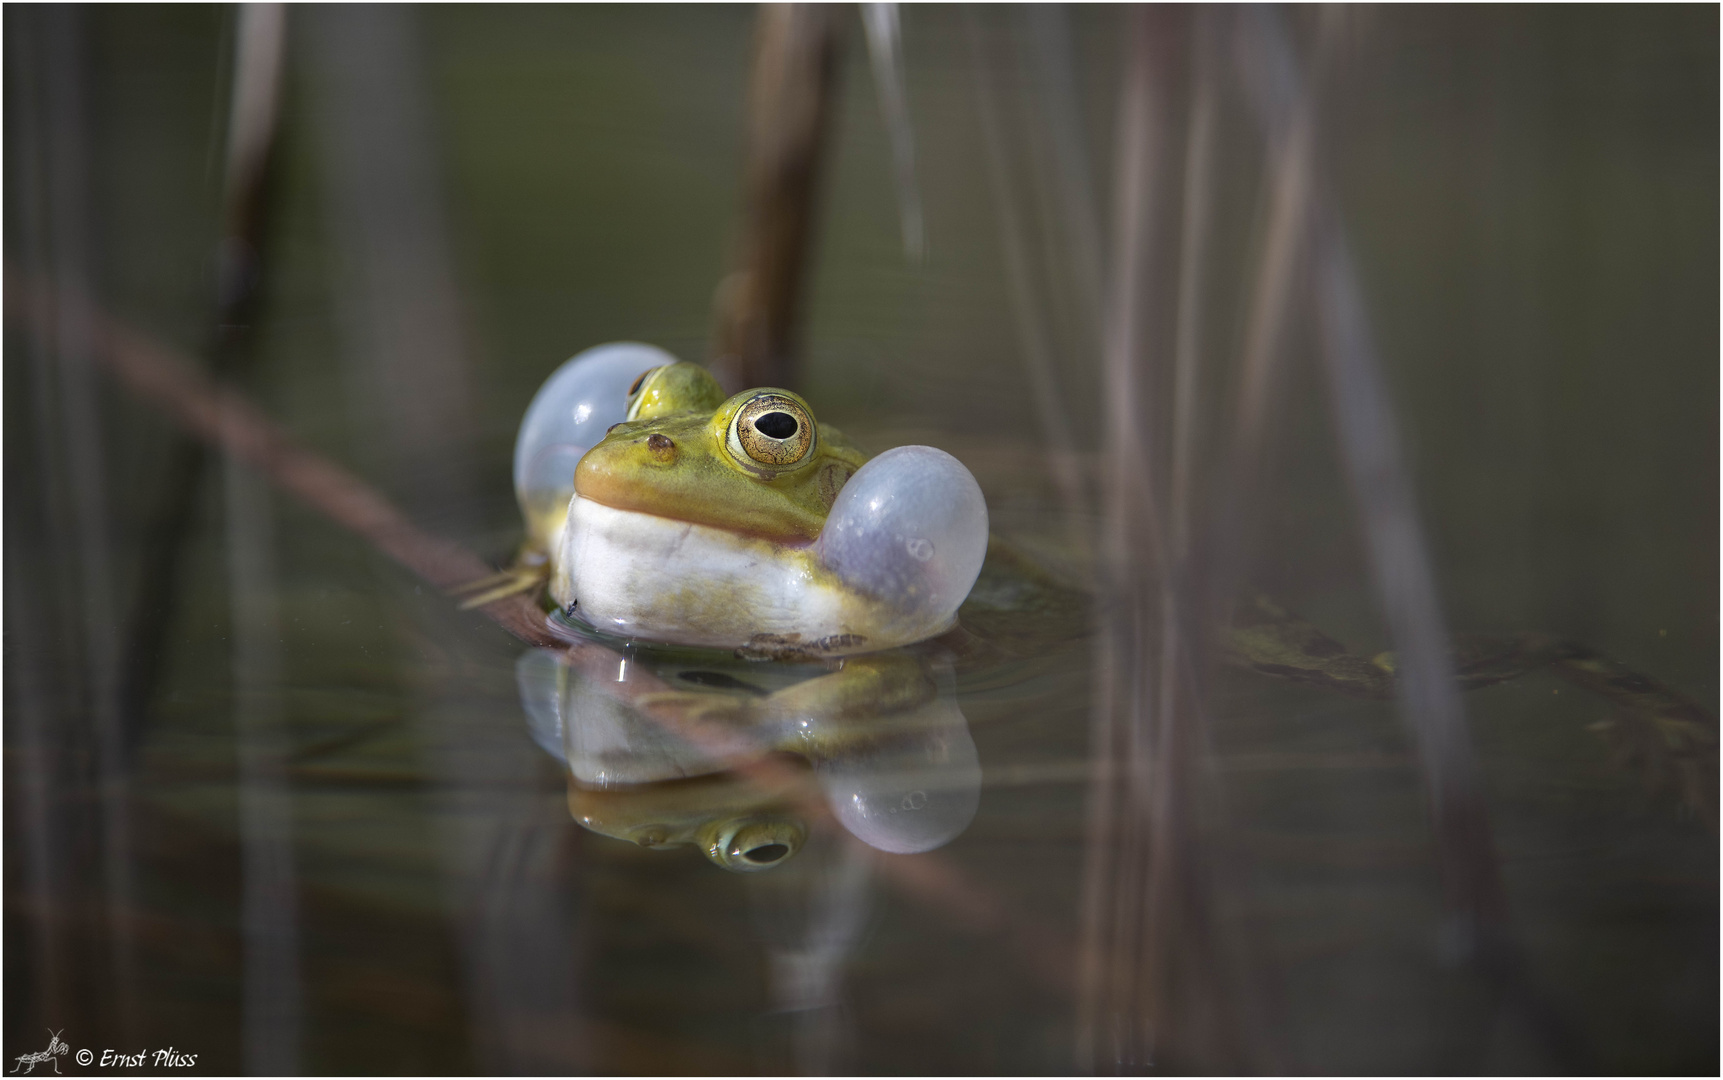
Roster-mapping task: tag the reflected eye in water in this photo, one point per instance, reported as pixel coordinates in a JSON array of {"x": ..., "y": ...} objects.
[{"x": 756, "y": 843}]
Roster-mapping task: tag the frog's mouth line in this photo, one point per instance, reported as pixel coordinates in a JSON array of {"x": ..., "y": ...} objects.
[
  {"x": 648, "y": 529},
  {"x": 789, "y": 541}
]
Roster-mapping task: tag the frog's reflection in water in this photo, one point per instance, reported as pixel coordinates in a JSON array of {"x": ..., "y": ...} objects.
[{"x": 658, "y": 744}]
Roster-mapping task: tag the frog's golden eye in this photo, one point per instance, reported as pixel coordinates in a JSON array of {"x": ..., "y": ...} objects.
[{"x": 774, "y": 430}]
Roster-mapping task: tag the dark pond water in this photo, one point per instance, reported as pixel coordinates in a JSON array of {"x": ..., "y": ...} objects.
[{"x": 276, "y": 802}]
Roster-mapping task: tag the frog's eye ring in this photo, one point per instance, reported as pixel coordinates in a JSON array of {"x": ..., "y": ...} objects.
[{"x": 774, "y": 430}]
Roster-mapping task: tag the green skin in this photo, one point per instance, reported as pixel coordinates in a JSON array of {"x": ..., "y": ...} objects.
[{"x": 1013, "y": 613}]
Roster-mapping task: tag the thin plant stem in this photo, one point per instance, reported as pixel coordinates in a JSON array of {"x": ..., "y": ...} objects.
[
  {"x": 68, "y": 256},
  {"x": 1370, "y": 451},
  {"x": 885, "y": 51},
  {"x": 1109, "y": 1031},
  {"x": 271, "y": 1003},
  {"x": 253, "y": 124},
  {"x": 791, "y": 98},
  {"x": 406, "y": 361},
  {"x": 1038, "y": 363}
]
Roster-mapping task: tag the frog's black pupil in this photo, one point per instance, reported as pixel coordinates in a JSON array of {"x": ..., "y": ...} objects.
[
  {"x": 635, "y": 389},
  {"x": 766, "y": 853},
  {"x": 776, "y": 425}
]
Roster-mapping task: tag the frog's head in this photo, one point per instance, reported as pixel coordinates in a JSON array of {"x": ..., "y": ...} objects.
[{"x": 758, "y": 464}]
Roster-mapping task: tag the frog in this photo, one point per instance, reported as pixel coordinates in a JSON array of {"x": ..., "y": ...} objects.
[{"x": 735, "y": 522}]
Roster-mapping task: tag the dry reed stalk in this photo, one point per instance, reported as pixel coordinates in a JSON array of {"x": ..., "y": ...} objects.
[
  {"x": 253, "y": 114},
  {"x": 254, "y": 110},
  {"x": 1038, "y": 358},
  {"x": 1157, "y": 990},
  {"x": 31, "y": 728},
  {"x": 1066, "y": 205},
  {"x": 408, "y": 380},
  {"x": 790, "y": 104},
  {"x": 1099, "y": 1008},
  {"x": 398, "y": 300},
  {"x": 1193, "y": 266},
  {"x": 1477, "y": 931},
  {"x": 34, "y": 724},
  {"x": 59, "y": 242},
  {"x": 1193, "y": 999},
  {"x": 271, "y": 1005},
  {"x": 885, "y": 51},
  {"x": 1113, "y": 1029},
  {"x": 1045, "y": 37},
  {"x": 1370, "y": 452}
]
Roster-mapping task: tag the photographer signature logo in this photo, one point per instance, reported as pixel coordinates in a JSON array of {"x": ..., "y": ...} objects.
[
  {"x": 111, "y": 1059},
  {"x": 56, "y": 1049}
]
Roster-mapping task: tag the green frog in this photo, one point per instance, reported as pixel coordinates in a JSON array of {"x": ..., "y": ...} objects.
[{"x": 738, "y": 522}]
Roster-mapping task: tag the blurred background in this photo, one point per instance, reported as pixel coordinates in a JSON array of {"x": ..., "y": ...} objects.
[{"x": 1405, "y": 317}]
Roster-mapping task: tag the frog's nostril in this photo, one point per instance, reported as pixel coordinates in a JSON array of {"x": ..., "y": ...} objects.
[
  {"x": 661, "y": 447},
  {"x": 776, "y": 425}
]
